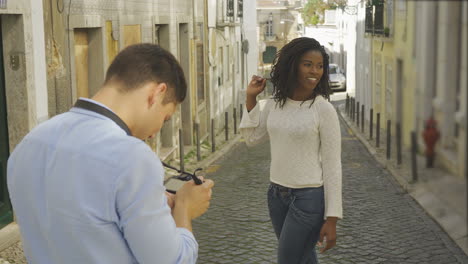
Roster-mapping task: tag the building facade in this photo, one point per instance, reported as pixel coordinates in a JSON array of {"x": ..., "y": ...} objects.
[
  {"x": 441, "y": 89},
  {"x": 23, "y": 86},
  {"x": 53, "y": 52},
  {"x": 419, "y": 72},
  {"x": 278, "y": 23},
  {"x": 363, "y": 59},
  {"x": 339, "y": 38}
]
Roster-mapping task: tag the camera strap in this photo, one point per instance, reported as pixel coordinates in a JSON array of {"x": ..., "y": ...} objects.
[
  {"x": 104, "y": 112},
  {"x": 112, "y": 116}
]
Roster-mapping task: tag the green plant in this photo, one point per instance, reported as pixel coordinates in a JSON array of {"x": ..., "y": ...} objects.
[
  {"x": 377, "y": 2},
  {"x": 313, "y": 12},
  {"x": 387, "y": 31}
]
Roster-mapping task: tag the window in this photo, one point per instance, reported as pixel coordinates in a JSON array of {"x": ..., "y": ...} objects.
[
  {"x": 200, "y": 74},
  {"x": 221, "y": 67},
  {"x": 240, "y": 8},
  {"x": 269, "y": 26},
  {"x": 389, "y": 15},
  {"x": 379, "y": 15},
  {"x": 228, "y": 63},
  {"x": 379, "y": 19},
  {"x": 238, "y": 61},
  {"x": 388, "y": 91},
  {"x": 369, "y": 19},
  {"x": 269, "y": 54},
  {"x": 230, "y": 8},
  {"x": 378, "y": 82},
  {"x": 401, "y": 5}
]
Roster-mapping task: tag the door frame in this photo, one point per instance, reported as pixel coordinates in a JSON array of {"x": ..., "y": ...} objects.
[{"x": 6, "y": 214}]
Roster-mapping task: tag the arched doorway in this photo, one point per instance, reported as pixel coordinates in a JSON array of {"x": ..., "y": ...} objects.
[{"x": 269, "y": 54}]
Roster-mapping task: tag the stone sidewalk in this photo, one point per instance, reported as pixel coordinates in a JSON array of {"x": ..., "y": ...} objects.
[
  {"x": 382, "y": 223},
  {"x": 442, "y": 195}
]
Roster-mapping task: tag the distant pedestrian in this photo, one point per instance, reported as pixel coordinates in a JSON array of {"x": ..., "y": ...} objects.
[{"x": 304, "y": 197}]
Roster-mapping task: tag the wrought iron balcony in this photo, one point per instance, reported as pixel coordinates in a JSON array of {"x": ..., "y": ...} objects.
[{"x": 374, "y": 22}]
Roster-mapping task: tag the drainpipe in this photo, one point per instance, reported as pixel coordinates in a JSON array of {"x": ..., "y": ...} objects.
[{"x": 206, "y": 60}]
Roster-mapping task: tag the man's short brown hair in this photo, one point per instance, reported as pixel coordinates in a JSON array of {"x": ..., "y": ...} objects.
[{"x": 139, "y": 64}]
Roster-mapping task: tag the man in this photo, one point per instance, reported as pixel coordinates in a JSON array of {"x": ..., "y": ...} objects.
[{"x": 86, "y": 188}]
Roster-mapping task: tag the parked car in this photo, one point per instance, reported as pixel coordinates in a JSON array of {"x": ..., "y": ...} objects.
[{"x": 337, "y": 78}]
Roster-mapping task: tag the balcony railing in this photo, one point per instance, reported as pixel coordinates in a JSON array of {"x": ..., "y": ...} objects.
[
  {"x": 379, "y": 19},
  {"x": 369, "y": 19},
  {"x": 374, "y": 22}
]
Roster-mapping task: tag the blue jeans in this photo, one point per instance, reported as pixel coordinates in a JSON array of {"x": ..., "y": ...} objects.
[{"x": 297, "y": 217}]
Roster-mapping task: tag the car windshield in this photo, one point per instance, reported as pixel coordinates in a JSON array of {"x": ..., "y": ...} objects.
[{"x": 333, "y": 69}]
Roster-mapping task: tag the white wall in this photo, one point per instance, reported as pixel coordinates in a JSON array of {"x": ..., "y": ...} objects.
[
  {"x": 363, "y": 69},
  {"x": 225, "y": 34},
  {"x": 250, "y": 33},
  {"x": 39, "y": 84},
  {"x": 26, "y": 87},
  {"x": 339, "y": 38}
]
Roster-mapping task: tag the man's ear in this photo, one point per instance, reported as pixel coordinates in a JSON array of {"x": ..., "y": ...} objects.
[
  {"x": 161, "y": 88},
  {"x": 157, "y": 92}
]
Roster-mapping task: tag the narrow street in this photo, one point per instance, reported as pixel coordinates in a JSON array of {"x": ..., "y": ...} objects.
[{"x": 381, "y": 224}]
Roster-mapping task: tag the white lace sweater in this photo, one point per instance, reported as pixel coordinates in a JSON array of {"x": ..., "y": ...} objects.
[{"x": 305, "y": 145}]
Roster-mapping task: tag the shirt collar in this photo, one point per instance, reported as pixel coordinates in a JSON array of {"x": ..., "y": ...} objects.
[{"x": 96, "y": 102}]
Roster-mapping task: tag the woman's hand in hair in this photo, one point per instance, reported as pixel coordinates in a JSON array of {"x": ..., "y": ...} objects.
[{"x": 256, "y": 86}]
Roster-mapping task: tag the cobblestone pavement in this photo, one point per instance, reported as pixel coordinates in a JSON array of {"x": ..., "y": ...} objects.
[{"x": 382, "y": 224}]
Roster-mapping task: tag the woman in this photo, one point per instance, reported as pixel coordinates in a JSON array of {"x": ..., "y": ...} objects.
[{"x": 304, "y": 197}]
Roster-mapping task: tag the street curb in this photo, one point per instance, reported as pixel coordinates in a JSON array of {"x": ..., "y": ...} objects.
[
  {"x": 219, "y": 153},
  {"x": 9, "y": 235},
  {"x": 381, "y": 160},
  {"x": 412, "y": 189}
]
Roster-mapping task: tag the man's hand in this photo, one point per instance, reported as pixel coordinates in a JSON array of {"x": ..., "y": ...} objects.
[
  {"x": 195, "y": 198},
  {"x": 328, "y": 231},
  {"x": 191, "y": 201},
  {"x": 170, "y": 200}
]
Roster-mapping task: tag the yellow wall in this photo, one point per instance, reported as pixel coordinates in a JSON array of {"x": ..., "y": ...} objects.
[
  {"x": 404, "y": 50},
  {"x": 388, "y": 51},
  {"x": 112, "y": 45},
  {"x": 132, "y": 35},
  {"x": 81, "y": 62},
  {"x": 383, "y": 52}
]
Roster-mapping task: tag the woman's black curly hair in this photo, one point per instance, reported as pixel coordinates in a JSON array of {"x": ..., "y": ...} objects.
[{"x": 285, "y": 65}]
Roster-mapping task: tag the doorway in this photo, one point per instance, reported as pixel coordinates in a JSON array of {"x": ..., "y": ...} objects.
[{"x": 6, "y": 215}]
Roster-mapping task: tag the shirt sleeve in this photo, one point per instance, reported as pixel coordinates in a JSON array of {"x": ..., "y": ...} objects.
[
  {"x": 145, "y": 219},
  {"x": 253, "y": 126},
  {"x": 330, "y": 152}
]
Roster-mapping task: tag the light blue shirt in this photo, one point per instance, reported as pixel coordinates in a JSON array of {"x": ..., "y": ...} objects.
[{"x": 85, "y": 192}]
